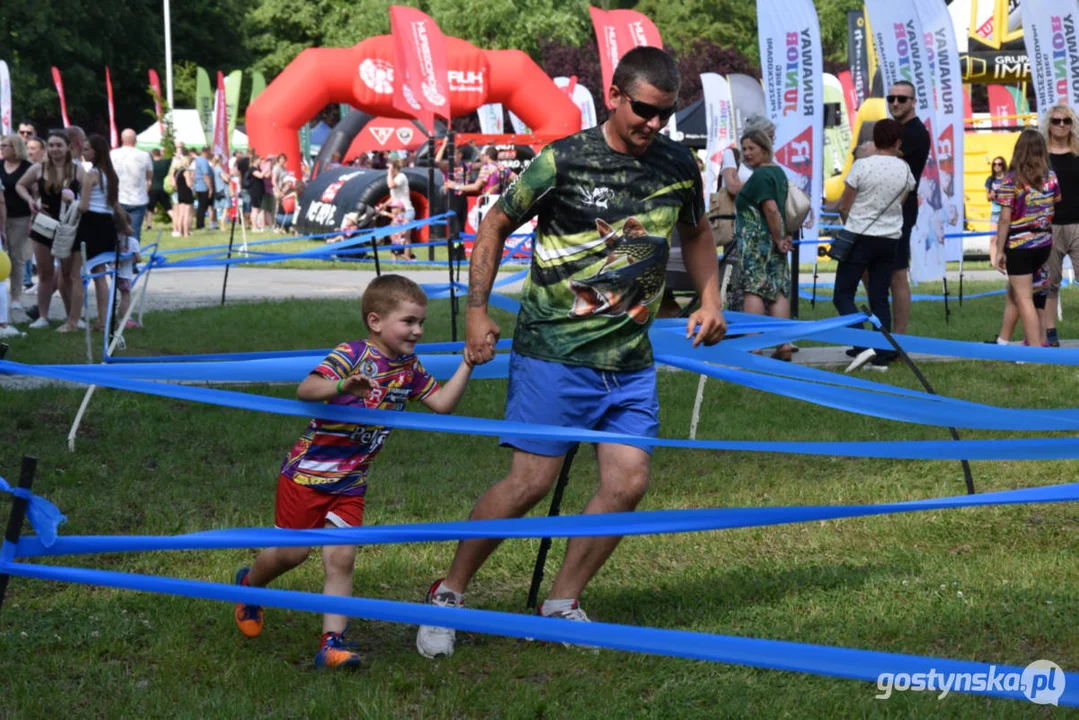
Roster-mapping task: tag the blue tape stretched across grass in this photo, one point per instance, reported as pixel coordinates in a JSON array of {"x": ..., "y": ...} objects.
[
  {"x": 652, "y": 522},
  {"x": 848, "y": 663},
  {"x": 1033, "y": 449},
  {"x": 808, "y": 295}
]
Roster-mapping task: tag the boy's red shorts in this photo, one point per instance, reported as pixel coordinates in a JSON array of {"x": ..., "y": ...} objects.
[{"x": 299, "y": 507}]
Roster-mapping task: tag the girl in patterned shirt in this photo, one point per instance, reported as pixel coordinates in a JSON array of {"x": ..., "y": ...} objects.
[{"x": 1024, "y": 234}]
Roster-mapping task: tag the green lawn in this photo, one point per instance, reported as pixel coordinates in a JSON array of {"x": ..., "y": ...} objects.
[{"x": 995, "y": 584}]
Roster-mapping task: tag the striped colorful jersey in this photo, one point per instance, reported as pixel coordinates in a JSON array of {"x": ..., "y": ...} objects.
[
  {"x": 334, "y": 457},
  {"x": 1032, "y": 212}
]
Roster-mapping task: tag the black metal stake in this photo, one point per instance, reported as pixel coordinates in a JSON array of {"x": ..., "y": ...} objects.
[
  {"x": 113, "y": 315},
  {"x": 430, "y": 187},
  {"x": 225, "y": 284},
  {"x": 813, "y": 300},
  {"x": 18, "y": 513},
  {"x": 947, "y": 310},
  {"x": 545, "y": 543},
  {"x": 453, "y": 287},
  {"x": 795, "y": 253},
  {"x": 967, "y": 476},
  {"x": 960, "y": 288},
  {"x": 374, "y": 250}
]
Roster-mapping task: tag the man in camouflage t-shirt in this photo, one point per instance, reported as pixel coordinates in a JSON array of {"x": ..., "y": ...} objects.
[{"x": 607, "y": 201}]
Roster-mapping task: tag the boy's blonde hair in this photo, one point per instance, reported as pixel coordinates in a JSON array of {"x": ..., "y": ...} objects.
[{"x": 386, "y": 292}]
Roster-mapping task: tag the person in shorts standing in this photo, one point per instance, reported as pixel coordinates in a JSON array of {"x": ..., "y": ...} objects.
[{"x": 1061, "y": 131}]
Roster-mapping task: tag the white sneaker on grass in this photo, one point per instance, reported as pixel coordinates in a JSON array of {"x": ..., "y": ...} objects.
[
  {"x": 10, "y": 331},
  {"x": 39, "y": 324},
  {"x": 433, "y": 641},
  {"x": 861, "y": 359},
  {"x": 575, "y": 614}
]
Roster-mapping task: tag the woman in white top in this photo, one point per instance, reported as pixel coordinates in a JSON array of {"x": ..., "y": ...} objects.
[
  {"x": 872, "y": 209},
  {"x": 399, "y": 193},
  {"x": 97, "y": 229}
]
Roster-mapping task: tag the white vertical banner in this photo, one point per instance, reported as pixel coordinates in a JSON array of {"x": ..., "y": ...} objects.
[
  {"x": 948, "y": 119},
  {"x": 581, "y": 97},
  {"x": 491, "y": 122},
  {"x": 720, "y": 128},
  {"x": 791, "y": 70},
  {"x": 5, "y": 100},
  {"x": 902, "y": 54},
  {"x": 1049, "y": 31},
  {"x": 519, "y": 126}
]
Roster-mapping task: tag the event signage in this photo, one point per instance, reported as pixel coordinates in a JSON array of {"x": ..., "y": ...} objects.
[
  {"x": 747, "y": 96},
  {"x": 719, "y": 124},
  {"x": 421, "y": 80},
  {"x": 519, "y": 127},
  {"x": 942, "y": 51},
  {"x": 59, "y": 83},
  {"x": 221, "y": 119},
  {"x": 850, "y": 96},
  {"x": 1002, "y": 108},
  {"x": 858, "y": 56},
  {"x": 204, "y": 104},
  {"x": 581, "y": 97},
  {"x": 899, "y": 40},
  {"x": 1049, "y": 31},
  {"x": 155, "y": 90},
  {"x": 618, "y": 32},
  {"x": 491, "y": 118},
  {"x": 791, "y": 70},
  {"x": 232, "y": 98},
  {"x": 5, "y": 99},
  {"x": 114, "y": 139}
]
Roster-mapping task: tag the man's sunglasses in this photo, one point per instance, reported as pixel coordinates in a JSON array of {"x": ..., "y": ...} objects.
[
  {"x": 26, "y": 133},
  {"x": 1061, "y": 121},
  {"x": 899, "y": 99},
  {"x": 646, "y": 112}
]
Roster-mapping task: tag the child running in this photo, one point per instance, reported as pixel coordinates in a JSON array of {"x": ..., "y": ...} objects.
[{"x": 324, "y": 477}]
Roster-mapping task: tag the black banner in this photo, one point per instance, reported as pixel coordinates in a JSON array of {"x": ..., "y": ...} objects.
[{"x": 858, "y": 53}]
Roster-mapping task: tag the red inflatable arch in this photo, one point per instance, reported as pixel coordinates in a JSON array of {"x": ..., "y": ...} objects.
[{"x": 363, "y": 77}]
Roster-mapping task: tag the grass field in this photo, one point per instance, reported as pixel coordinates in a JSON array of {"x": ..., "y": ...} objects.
[{"x": 995, "y": 585}]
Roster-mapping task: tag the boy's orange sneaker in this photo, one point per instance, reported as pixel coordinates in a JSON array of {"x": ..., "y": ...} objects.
[
  {"x": 248, "y": 617},
  {"x": 335, "y": 653}
]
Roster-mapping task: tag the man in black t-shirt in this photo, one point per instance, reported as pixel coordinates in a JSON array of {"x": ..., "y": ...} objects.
[
  {"x": 1061, "y": 130},
  {"x": 915, "y": 149}
]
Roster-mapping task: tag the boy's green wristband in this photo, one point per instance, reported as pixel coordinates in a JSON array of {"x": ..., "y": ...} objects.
[{"x": 339, "y": 390}]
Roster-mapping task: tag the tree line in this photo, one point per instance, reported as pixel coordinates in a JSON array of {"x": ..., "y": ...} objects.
[{"x": 128, "y": 36}]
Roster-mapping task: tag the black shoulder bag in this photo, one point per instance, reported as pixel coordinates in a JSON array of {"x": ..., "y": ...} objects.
[{"x": 844, "y": 240}]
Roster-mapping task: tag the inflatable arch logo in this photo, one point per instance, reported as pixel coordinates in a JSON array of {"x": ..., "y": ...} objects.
[{"x": 362, "y": 76}]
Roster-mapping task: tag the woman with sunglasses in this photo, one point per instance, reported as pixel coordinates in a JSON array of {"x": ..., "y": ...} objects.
[
  {"x": 992, "y": 187},
  {"x": 1061, "y": 131},
  {"x": 763, "y": 240},
  {"x": 1024, "y": 236}
]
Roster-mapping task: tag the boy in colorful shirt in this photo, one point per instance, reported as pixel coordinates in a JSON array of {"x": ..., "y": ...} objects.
[{"x": 323, "y": 480}]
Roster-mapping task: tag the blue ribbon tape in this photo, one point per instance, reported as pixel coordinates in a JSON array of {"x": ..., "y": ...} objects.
[{"x": 44, "y": 517}]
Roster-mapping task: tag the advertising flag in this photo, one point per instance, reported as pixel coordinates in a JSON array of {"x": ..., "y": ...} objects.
[
  {"x": 232, "y": 98},
  {"x": 791, "y": 70},
  {"x": 1001, "y": 106},
  {"x": 59, "y": 83},
  {"x": 618, "y": 32},
  {"x": 582, "y": 98},
  {"x": 221, "y": 119},
  {"x": 155, "y": 89},
  {"x": 491, "y": 118},
  {"x": 858, "y": 55},
  {"x": 850, "y": 97},
  {"x": 519, "y": 126},
  {"x": 1022, "y": 107},
  {"x": 719, "y": 126},
  {"x": 1052, "y": 42},
  {"x": 204, "y": 104},
  {"x": 421, "y": 80},
  {"x": 5, "y": 99},
  {"x": 899, "y": 40},
  {"x": 747, "y": 96},
  {"x": 948, "y": 136},
  {"x": 114, "y": 139},
  {"x": 258, "y": 84}
]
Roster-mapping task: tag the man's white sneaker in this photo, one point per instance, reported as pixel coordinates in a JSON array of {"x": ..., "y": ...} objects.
[
  {"x": 861, "y": 359},
  {"x": 574, "y": 613},
  {"x": 39, "y": 324},
  {"x": 10, "y": 331},
  {"x": 434, "y": 641}
]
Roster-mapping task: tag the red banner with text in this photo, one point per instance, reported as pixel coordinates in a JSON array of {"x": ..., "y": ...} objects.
[
  {"x": 59, "y": 83},
  {"x": 618, "y": 32},
  {"x": 420, "y": 69}
]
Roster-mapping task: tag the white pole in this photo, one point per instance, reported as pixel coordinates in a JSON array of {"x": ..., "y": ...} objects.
[{"x": 168, "y": 54}]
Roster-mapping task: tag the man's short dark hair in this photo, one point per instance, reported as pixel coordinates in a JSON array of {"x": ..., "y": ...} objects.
[
  {"x": 156, "y": 153},
  {"x": 491, "y": 152},
  {"x": 887, "y": 132},
  {"x": 909, "y": 84},
  {"x": 649, "y": 64},
  {"x": 30, "y": 123}
]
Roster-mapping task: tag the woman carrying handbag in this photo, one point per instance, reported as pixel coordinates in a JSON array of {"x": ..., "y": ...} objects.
[
  {"x": 49, "y": 187},
  {"x": 872, "y": 212}
]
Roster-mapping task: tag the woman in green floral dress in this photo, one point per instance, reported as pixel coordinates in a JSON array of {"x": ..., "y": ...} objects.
[{"x": 762, "y": 239}]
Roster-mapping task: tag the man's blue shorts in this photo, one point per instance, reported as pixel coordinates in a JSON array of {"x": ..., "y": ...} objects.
[{"x": 551, "y": 393}]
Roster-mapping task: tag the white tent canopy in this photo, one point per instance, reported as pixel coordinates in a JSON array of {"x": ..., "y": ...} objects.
[{"x": 188, "y": 130}]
